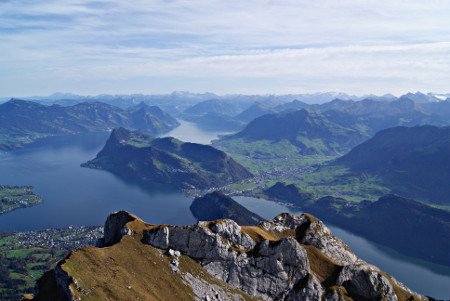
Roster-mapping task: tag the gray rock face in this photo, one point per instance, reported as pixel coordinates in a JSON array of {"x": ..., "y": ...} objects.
[
  {"x": 289, "y": 258},
  {"x": 319, "y": 236},
  {"x": 159, "y": 238},
  {"x": 363, "y": 281},
  {"x": 63, "y": 283},
  {"x": 115, "y": 227},
  {"x": 205, "y": 291},
  {"x": 279, "y": 268}
]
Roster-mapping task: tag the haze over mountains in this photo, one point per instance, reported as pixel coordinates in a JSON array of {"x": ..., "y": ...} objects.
[
  {"x": 22, "y": 122},
  {"x": 181, "y": 100}
]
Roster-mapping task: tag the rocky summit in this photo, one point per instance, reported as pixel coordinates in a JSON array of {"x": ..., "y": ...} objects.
[{"x": 291, "y": 257}]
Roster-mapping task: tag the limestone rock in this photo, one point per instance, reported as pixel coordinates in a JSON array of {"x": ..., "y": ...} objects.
[
  {"x": 361, "y": 280},
  {"x": 115, "y": 227},
  {"x": 276, "y": 269},
  {"x": 291, "y": 257}
]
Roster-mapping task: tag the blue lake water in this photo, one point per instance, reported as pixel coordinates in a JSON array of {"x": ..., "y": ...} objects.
[{"x": 80, "y": 196}]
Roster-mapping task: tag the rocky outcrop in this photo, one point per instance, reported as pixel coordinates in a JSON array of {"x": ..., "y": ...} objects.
[
  {"x": 408, "y": 226},
  {"x": 291, "y": 257},
  {"x": 115, "y": 227},
  {"x": 275, "y": 264}
]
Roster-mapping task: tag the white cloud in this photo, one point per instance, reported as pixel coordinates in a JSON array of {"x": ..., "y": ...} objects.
[{"x": 355, "y": 46}]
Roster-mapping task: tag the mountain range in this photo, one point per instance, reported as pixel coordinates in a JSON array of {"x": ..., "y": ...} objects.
[
  {"x": 138, "y": 156},
  {"x": 233, "y": 112},
  {"x": 22, "y": 122},
  {"x": 189, "y": 97},
  {"x": 332, "y": 128}
]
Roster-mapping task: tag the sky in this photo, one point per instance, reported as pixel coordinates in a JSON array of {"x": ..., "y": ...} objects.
[{"x": 250, "y": 47}]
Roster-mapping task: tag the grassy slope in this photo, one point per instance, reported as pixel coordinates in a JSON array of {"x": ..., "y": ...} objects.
[
  {"x": 340, "y": 182},
  {"x": 132, "y": 270}
]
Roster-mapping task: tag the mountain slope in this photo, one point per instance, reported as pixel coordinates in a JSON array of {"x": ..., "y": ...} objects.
[
  {"x": 254, "y": 111},
  {"x": 411, "y": 161},
  {"x": 138, "y": 156},
  {"x": 288, "y": 258},
  {"x": 294, "y": 105},
  {"x": 310, "y": 132},
  {"x": 22, "y": 121},
  {"x": 379, "y": 115},
  {"x": 218, "y": 106},
  {"x": 291, "y": 193},
  {"x": 152, "y": 119}
]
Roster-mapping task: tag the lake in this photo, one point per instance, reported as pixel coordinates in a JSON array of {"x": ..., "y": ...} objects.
[
  {"x": 190, "y": 132},
  {"x": 80, "y": 196}
]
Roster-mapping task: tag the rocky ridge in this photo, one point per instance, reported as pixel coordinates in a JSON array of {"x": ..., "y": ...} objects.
[{"x": 291, "y": 257}]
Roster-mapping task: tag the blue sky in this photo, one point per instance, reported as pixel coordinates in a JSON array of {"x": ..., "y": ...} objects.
[{"x": 252, "y": 47}]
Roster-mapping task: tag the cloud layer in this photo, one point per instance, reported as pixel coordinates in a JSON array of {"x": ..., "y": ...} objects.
[{"x": 92, "y": 47}]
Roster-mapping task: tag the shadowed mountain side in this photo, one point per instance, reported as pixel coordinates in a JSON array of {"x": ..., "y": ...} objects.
[
  {"x": 216, "y": 205},
  {"x": 410, "y": 227},
  {"x": 411, "y": 161}
]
